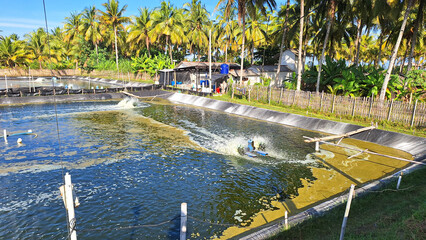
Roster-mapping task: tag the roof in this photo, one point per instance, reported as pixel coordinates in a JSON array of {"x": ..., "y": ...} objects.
[
  {"x": 270, "y": 68},
  {"x": 246, "y": 73},
  {"x": 203, "y": 65}
]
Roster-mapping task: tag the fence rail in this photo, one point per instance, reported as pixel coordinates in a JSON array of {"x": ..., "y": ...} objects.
[{"x": 410, "y": 114}]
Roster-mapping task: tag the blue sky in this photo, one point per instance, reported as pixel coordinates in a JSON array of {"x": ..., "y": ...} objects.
[{"x": 24, "y": 16}]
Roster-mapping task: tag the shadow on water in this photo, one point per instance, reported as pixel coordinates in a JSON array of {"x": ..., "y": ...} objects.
[{"x": 173, "y": 232}]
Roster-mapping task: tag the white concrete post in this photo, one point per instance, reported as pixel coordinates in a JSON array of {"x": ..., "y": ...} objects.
[
  {"x": 183, "y": 219},
  {"x": 5, "y": 79},
  {"x": 69, "y": 201},
  {"x": 399, "y": 181},
  {"x": 317, "y": 146},
  {"x": 348, "y": 207},
  {"x": 286, "y": 220},
  {"x": 5, "y": 135}
]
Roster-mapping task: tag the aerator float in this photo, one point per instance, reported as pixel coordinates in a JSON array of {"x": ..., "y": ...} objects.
[{"x": 251, "y": 150}]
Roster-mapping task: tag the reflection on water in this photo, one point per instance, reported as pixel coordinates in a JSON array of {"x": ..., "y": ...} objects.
[{"x": 134, "y": 163}]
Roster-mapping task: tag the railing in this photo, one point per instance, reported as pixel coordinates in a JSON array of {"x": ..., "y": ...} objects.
[{"x": 411, "y": 114}]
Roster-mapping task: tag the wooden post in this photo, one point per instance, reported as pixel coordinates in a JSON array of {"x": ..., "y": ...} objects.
[
  {"x": 309, "y": 100},
  {"x": 294, "y": 98},
  {"x": 332, "y": 104},
  {"x": 348, "y": 207},
  {"x": 353, "y": 108},
  {"x": 233, "y": 89},
  {"x": 5, "y": 135},
  {"x": 371, "y": 105},
  {"x": 390, "y": 110},
  {"x": 69, "y": 204},
  {"x": 183, "y": 220},
  {"x": 399, "y": 181},
  {"x": 54, "y": 92},
  {"x": 414, "y": 114},
  {"x": 286, "y": 220},
  {"x": 281, "y": 95},
  {"x": 249, "y": 94},
  {"x": 322, "y": 96}
]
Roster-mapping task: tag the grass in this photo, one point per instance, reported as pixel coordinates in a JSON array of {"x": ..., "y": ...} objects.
[
  {"x": 383, "y": 214},
  {"x": 384, "y": 125}
]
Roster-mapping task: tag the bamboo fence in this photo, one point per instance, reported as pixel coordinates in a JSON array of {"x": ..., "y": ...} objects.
[{"x": 410, "y": 114}]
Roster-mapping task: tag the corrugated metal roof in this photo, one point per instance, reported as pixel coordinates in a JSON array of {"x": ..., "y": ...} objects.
[
  {"x": 203, "y": 65},
  {"x": 270, "y": 68},
  {"x": 246, "y": 72}
]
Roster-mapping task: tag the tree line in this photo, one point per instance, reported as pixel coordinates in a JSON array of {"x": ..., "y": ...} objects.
[{"x": 369, "y": 34}]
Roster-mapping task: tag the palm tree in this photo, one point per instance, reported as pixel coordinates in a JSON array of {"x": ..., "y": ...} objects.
[
  {"x": 91, "y": 29},
  {"x": 299, "y": 61},
  {"x": 417, "y": 27},
  {"x": 331, "y": 17},
  {"x": 73, "y": 27},
  {"x": 245, "y": 7},
  {"x": 113, "y": 17},
  {"x": 37, "y": 45},
  {"x": 198, "y": 24},
  {"x": 287, "y": 9},
  {"x": 227, "y": 30},
  {"x": 167, "y": 21},
  {"x": 394, "y": 53},
  {"x": 12, "y": 52},
  {"x": 139, "y": 30},
  {"x": 255, "y": 32}
]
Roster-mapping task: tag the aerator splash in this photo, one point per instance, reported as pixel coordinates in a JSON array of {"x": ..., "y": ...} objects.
[{"x": 251, "y": 150}]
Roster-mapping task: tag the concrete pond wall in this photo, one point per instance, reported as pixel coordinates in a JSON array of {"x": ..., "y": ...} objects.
[{"x": 416, "y": 146}]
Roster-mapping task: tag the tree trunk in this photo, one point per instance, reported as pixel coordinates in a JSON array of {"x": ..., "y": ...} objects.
[
  {"x": 226, "y": 52},
  {"x": 170, "y": 49},
  {"x": 242, "y": 47},
  {"x": 116, "y": 49},
  {"x": 418, "y": 20},
  {"x": 97, "y": 54},
  {"x": 395, "y": 51},
  {"x": 282, "y": 42},
  {"x": 401, "y": 68},
  {"x": 305, "y": 48},
  {"x": 376, "y": 63},
  {"x": 299, "y": 58},
  {"x": 330, "y": 22},
  {"x": 147, "y": 46},
  {"x": 357, "y": 43}
]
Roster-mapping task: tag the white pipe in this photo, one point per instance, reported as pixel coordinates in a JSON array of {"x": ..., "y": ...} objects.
[
  {"x": 348, "y": 207},
  {"x": 5, "y": 79},
  {"x": 183, "y": 219},
  {"x": 69, "y": 201},
  {"x": 5, "y": 135},
  {"x": 399, "y": 181}
]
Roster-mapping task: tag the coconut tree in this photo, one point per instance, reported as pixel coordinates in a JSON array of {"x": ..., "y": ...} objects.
[
  {"x": 244, "y": 7},
  {"x": 330, "y": 19},
  {"x": 255, "y": 32},
  {"x": 167, "y": 21},
  {"x": 198, "y": 24},
  {"x": 12, "y": 52},
  {"x": 395, "y": 51},
  {"x": 72, "y": 27},
  {"x": 139, "y": 30},
  {"x": 113, "y": 18},
  {"x": 227, "y": 30},
  {"x": 417, "y": 27},
  {"x": 91, "y": 29},
  {"x": 37, "y": 45},
  {"x": 284, "y": 29}
]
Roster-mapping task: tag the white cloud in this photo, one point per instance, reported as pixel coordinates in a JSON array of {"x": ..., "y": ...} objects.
[{"x": 25, "y": 23}]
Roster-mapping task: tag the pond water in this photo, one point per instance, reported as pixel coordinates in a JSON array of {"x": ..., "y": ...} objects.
[
  {"x": 47, "y": 82},
  {"x": 134, "y": 163}
]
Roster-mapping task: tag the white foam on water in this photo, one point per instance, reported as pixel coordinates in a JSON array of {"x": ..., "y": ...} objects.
[
  {"x": 127, "y": 103},
  {"x": 16, "y": 205}
]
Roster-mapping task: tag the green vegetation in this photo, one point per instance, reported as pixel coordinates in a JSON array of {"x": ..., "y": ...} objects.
[
  {"x": 355, "y": 38},
  {"x": 383, "y": 214}
]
